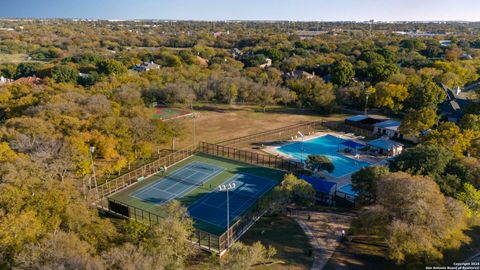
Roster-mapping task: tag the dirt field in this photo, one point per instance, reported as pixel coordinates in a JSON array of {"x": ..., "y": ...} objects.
[{"x": 216, "y": 123}]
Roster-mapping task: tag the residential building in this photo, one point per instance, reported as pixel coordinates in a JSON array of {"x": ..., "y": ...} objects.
[
  {"x": 145, "y": 66},
  {"x": 376, "y": 126},
  {"x": 452, "y": 109},
  {"x": 4, "y": 80},
  {"x": 299, "y": 74},
  {"x": 268, "y": 63}
]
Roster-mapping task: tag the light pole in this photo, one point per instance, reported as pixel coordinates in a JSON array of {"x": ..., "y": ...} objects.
[
  {"x": 91, "y": 151},
  {"x": 301, "y": 148},
  {"x": 226, "y": 188}
]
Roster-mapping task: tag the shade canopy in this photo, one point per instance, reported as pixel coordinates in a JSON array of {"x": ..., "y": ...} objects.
[
  {"x": 318, "y": 184},
  {"x": 384, "y": 143}
]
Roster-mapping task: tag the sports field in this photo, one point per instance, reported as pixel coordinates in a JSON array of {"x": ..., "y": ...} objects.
[{"x": 194, "y": 182}]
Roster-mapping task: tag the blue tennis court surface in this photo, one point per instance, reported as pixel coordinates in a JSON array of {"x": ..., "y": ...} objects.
[
  {"x": 212, "y": 208},
  {"x": 178, "y": 183},
  {"x": 327, "y": 145}
]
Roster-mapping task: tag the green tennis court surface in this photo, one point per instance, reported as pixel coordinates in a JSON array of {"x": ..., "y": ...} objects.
[
  {"x": 194, "y": 182},
  {"x": 164, "y": 113}
]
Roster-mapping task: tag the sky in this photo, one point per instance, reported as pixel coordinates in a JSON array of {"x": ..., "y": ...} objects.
[{"x": 294, "y": 10}]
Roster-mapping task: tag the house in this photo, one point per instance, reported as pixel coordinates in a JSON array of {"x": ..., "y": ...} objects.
[
  {"x": 299, "y": 74},
  {"x": 445, "y": 43},
  {"x": 145, "y": 66},
  {"x": 32, "y": 80},
  {"x": 452, "y": 109},
  {"x": 371, "y": 126},
  {"x": 4, "y": 80},
  {"x": 385, "y": 147},
  {"x": 236, "y": 53},
  {"x": 268, "y": 63},
  {"x": 202, "y": 61},
  {"x": 466, "y": 56}
]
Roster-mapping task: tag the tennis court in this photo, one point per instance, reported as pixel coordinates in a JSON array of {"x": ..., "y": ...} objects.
[
  {"x": 178, "y": 183},
  {"x": 212, "y": 208}
]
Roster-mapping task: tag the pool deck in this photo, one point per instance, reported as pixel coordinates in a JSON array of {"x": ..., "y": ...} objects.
[{"x": 340, "y": 181}]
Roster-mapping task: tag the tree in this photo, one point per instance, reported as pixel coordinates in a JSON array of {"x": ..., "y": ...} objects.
[
  {"x": 111, "y": 67},
  {"x": 417, "y": 221},
  {"x": 27, "y": 69},
  {"x": 426, "y": 95},
  {"x": 417, "y": 121},
  {"x": 297, "y": 190},
  {"x": 470, "y": 196},
  {"x": 319, "y": 163},
  {"x": 244, "y": 257},
  {"x": 450, "y": 136},
  {"x": 423, "y": 160},
  {"x": 470, "y": 121},
  {"x": 364, "y": 181},
  {"x": 342, "y": 73},
  {"x": 64, "y": 74},
  {"x": 58, "y": 250},
  {"x": 390, "y": 96}
]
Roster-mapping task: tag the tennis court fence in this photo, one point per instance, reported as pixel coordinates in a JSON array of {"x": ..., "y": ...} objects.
[
  {"x": 138, "y": 174},
  {"x": 264, "y": 160},
  {"x": 282, "y": 133}
]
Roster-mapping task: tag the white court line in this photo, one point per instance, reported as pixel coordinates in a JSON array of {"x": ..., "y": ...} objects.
[
  {"x": 187, "y": 167},
  {"x": 240, "y": 209}
]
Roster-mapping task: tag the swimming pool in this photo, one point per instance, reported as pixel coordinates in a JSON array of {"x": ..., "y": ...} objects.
[
  {"x": 327, "y": 146},
  {"x": 348, "y": 190}
]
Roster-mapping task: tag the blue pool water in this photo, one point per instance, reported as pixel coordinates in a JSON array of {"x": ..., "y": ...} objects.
[
  {"x": 327, "y": 145},
  {"x": 348, "y": 190}
]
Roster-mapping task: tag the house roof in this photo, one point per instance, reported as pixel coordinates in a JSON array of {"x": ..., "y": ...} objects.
[
  {"x": 29, "y": 80},
  {"x": 357, "y": 118},
  {"x": 319, "y": 185},
  {"x": 388, "y": 124},
  {"x": 384, "y": 143}
]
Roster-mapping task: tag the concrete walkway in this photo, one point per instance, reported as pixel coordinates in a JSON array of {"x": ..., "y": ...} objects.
[{"x": 324, "y": 231}]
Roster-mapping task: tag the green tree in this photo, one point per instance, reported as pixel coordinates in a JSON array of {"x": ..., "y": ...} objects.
[
  {"x": 470, "y": 121},
  {"x": 423, "y": 160},
  {"x": 244, "y": 257},
  {"x": 364, "y": 181},
  {"x": 417, "y": 121},
  {"x": 390, "y": 96},
  {"x": 111, "y": 67},
  {"x": 426, "y": 95},
  {"x": 470, "y": 196},
  {"x": 319, "y": 163},
  {"x": 450, "y": 136},
  {"x": 342, "y": 72},
  {"x": 416, "y": 219},
  {"x": 27, "y": 69},
  {"x": 64, "y": 74}
]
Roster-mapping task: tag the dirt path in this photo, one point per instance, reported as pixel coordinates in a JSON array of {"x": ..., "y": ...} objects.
[{"x": 324, "y": 230}]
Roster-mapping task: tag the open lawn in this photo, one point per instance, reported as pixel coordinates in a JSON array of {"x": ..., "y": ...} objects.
[
  {"x": 287, "y": 237},
  {"x": 219, "y": 122},
  {"x": 12, "y": 58}
]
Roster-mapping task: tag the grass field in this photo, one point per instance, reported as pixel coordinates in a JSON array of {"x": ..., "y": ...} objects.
[
  {"x": 12, "y": 58},
  {"x": 219, "y": 122},
  {"x": 287, "y": 237},
  {"x": 231, "y": 168}
]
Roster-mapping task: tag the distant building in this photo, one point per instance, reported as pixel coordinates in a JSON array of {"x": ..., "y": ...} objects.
[
  {"x": 32, "y": 80},
  {"x": 452, "y": 109},
  {"x": 145, "y": 66},
  {"x": 236, "y": 53},
  {"x": 445, "y": 43},
  {"x": 299, "y": 74},
  {"x": 466, "y": 56},
  {"x": 268, "y": 63},
  {"x": 202, "y": 61},
  {"x": 4, "y": 80},
  {"x": 371, "y": 126}
]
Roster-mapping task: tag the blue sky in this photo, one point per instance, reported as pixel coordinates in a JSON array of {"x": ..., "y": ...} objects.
[{"x": 302, "y": 10}]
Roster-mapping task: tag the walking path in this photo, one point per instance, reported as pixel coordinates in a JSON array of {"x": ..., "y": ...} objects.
[{"x": 324, "y": 231}]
